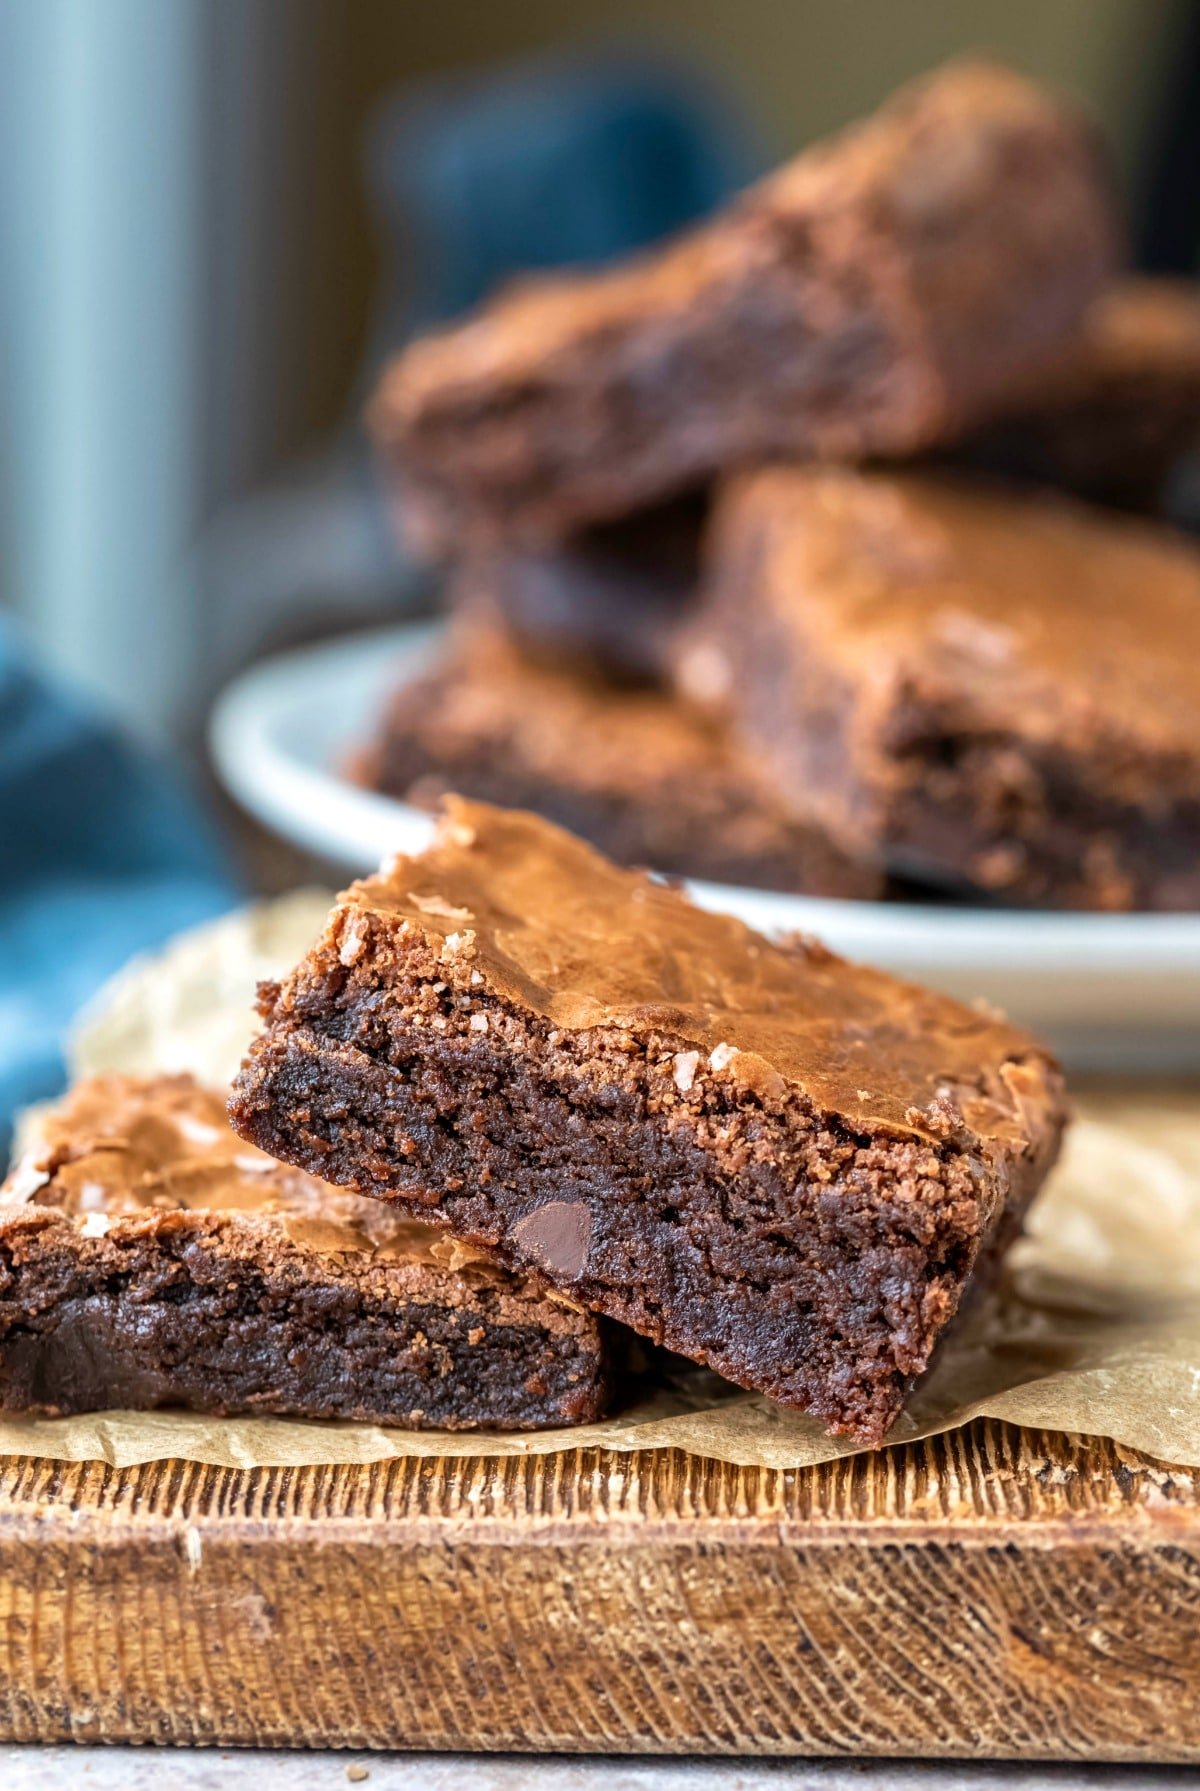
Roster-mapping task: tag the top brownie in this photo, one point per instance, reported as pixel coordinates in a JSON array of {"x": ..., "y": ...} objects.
[
  {"x": 771, "y": 1160},
  {"x": 877, "y": 296}
]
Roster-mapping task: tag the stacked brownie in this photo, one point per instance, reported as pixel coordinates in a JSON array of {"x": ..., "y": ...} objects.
[
  {"x": 880, "y": 295},
  {"x": 767, "y": 558},
  {"x": 993, "y": 690},
  {"x": 777, "y": 1163},
  {"x": 1122, "y": 410},
  {"x": 514, "y": 1102}
]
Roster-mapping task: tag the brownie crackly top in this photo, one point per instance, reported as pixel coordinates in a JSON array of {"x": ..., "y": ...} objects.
[{"x": 528, "y": 915}]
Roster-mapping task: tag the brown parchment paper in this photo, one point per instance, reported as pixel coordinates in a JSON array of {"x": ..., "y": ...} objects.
[{"x": 1095, "y": 1330}]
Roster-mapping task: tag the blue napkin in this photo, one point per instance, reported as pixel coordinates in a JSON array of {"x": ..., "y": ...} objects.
[{"x": 103, "y": 853}]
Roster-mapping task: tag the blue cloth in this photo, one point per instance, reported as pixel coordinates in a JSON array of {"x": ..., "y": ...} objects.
[{"x": 103, "y": 853}]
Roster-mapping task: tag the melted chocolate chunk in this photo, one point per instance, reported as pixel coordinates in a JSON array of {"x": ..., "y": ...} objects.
[{"x": 556, "y": 1237}]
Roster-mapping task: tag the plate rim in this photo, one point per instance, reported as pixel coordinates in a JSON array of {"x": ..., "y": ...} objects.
[{"x": 284, "y": 793}]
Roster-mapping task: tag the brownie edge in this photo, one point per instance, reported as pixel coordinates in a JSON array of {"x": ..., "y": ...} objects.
[
  {"x": 770, "y": 1160},
  {"x": 149, "y": 1258}
]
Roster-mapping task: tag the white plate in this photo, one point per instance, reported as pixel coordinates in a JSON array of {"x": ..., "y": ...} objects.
[{"x": 1117, "y": 991}]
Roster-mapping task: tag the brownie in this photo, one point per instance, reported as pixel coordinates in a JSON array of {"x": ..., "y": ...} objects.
[
  {"x": 995, "y": 691},
  {"x": 775, "y": 1162},
  {"x": 629, "y": 768},
  {"x": 608, "y": 600},
  {"x": 149, "y": 1257},
  {"x": 876, "y": 296},
  {"x": 1122, "y": 411}
]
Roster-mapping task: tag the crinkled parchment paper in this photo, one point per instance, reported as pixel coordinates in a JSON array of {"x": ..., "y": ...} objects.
[{"x": 1096, "y": 1330}]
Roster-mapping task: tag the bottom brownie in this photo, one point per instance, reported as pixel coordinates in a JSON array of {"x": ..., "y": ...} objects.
[
  {"x": 633, "y": 771},
  {"x": 148, "y": 1258}
]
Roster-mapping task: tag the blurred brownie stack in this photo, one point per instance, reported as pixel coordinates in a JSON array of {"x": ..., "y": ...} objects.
[{"x": 746, "y": 576}]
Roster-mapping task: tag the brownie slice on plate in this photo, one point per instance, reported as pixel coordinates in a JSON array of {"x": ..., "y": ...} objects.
[
  {"x": 768, "y": 1159},
  {"x": 149, "y": 1257},
  {"x": 977, "y": 688},
  {"x": 877, "y": 296},
  {"x": 629, "y": 768}
]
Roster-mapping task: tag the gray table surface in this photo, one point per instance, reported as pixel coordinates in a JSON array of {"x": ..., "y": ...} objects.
[{"x": 147, "y": 1769}]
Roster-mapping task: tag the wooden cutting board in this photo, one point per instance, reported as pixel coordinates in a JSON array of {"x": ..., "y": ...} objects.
[{"x": 989, "y": 1593}]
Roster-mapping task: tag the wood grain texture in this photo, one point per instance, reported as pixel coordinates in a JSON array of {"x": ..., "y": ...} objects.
[{"x": 988, "y": 1593}]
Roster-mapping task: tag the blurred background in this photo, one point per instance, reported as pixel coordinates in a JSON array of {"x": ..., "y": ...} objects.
[
  {"x": 217, "y": 215},
  {"x": 218, "y": 218}
]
